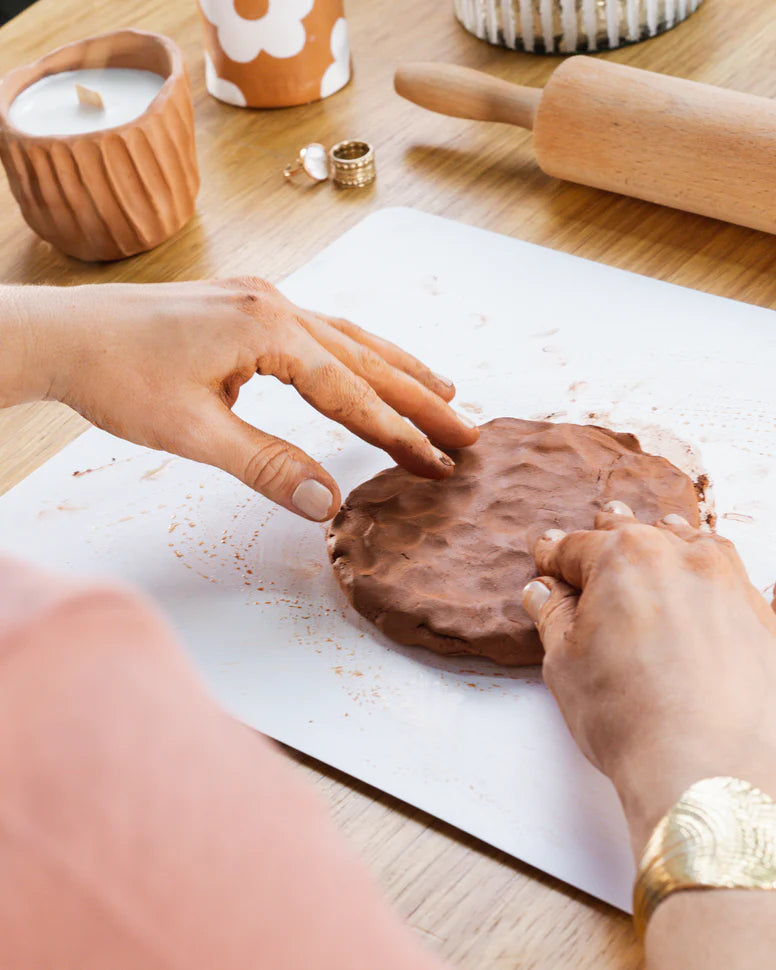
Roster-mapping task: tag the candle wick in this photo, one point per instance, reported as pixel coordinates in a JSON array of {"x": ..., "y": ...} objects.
[{"x": 89, "y": 97}]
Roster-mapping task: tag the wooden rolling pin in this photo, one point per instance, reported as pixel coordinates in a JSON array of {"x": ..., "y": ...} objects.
[{"x": 678, "y": 143}]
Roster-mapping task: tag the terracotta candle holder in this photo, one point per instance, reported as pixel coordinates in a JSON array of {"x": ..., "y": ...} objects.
[
  {"x": 115, "y": 191},
  {"x": 274, "y": 53}
]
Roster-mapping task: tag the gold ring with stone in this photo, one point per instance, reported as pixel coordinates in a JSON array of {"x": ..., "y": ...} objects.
[
  {"x": 352, "y": 164},
  {"x": 312, "y": 160}
]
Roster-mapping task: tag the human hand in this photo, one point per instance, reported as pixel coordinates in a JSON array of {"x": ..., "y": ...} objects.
[
  {"x": 162, "y": 366},
  {"x": 664, "y": 666}
]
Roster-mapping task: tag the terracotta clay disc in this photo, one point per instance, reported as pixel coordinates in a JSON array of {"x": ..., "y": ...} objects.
[{"x": 441, "y": 564}]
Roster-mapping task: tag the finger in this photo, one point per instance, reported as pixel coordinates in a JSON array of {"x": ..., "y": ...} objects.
[
  {"x": 398, "y": 389},
  {"x": 343, "y": 396},
  {"x": 395, "y": 356},
  {"x": 614, "y": 515},
  {"x": 552, "y": 605},
  {"x": 678, "y": 525},
  {"x": 278, "y": 470},
  {"x": 569, "y": 557}
]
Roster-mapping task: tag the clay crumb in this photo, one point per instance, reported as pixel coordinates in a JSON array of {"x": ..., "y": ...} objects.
[{"x": 737, "y": 517}]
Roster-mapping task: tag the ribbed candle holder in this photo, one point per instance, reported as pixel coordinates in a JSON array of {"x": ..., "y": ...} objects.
[
  {"x": 570, "y": 26},
  {"x": 114, "y": 192}
]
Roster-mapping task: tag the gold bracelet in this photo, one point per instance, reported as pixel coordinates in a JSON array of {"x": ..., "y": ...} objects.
[{"x": 721, "y": 834}]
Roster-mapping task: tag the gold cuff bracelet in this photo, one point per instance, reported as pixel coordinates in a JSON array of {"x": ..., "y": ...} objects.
[{"x": 721, "y": 834}]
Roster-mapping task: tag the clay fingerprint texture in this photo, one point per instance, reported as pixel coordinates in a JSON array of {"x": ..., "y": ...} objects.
[{"x": 442, "y": 564}]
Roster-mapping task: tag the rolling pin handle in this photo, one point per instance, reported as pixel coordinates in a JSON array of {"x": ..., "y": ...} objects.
[{"x": 464, "y": 93}]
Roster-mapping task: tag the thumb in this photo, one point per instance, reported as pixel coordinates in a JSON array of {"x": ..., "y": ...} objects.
[
  {"x": 278, "y": 470},
  {"x": 552, "y": 605}
]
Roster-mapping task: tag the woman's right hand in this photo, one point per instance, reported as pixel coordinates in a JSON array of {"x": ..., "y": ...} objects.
[{"x": 661, "y": 655}]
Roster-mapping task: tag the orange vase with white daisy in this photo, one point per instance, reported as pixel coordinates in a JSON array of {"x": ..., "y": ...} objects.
[{"x": 274, "y": 53}]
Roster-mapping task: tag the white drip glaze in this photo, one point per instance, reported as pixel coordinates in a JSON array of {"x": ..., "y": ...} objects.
[
  {"x": 548, "y": 33},
  {"x": 590, "y": 14},
  {"x": 527, "y": 23},
  {"x": 613, "y": 22},
  {"x": 493, "y": 17},
  {"x": 508, "y": 23},
  {"x": 478, "y": 18},
  {"x": 652, "y": 17},
  {"x": 632, "y": 19},
  {"x": 568, "y": 17}
]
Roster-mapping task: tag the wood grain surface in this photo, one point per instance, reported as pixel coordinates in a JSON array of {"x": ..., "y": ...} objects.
[{"x": 474, "y": 905}]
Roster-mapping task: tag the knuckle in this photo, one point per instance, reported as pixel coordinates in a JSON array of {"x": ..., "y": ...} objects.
[
  {"x": 557, "y": 615},
  {"x": 549, "y": 613},
  {"x": 327, "y": 376},
  {"x": 636, "y": 541},
  {"x": 360, "y": 399},
  {"x": 252, "y": 284},
  {"x": 372, "y": 365},
  {"x": 347, "y": 398},
  {"x": 346, "y": 326},
  {"x": 711, "y": 554},
  {"x": 276, "y": 364},
  {"x": 550, "y": 669},
  {"x": 629, "y": 546},
  {"x": 249, "y": 292},
  {"x": 545, "y": 554},
  {"x": 557, "y": 657},
  {"x": 270, "y": 468},
  {"x": 724, "y": 545}
]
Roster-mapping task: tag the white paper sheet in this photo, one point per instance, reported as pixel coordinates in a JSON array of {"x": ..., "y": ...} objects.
[{"x": 525, "y": 331}]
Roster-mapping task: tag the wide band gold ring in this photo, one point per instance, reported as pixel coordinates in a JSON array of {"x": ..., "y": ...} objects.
[{"x": 352, "y": 164}]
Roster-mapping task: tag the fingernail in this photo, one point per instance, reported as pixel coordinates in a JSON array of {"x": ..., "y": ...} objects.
[
  {"x": 465, "y": 419},
  {"x": 618, "y": 508},
  {"x": 535, "y": 595},
  {"x": 554, "y": 535},
  {"x": 443, "y": 380},
  {"x": 443, "y": 459},
  {"x": 312, "y": 499},
  {"x": 674, "y": 519}
]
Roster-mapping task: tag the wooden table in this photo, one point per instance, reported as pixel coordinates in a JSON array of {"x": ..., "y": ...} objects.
[{"x": 474, "y": 905}]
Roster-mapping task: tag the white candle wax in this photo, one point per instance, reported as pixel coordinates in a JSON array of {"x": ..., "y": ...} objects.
[{"x": 51, "y": 105}]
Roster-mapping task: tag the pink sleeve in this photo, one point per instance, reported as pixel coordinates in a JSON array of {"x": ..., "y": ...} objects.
[{"x": 142, "y": 827}]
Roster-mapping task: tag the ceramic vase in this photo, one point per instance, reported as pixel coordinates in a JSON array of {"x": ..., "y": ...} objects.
[
  {"x": 570, "y": 26},
  {"x": 274, "y": 53}
]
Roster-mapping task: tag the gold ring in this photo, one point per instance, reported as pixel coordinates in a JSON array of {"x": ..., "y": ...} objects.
[
  {"x": 312, "y": 160},
  {"x": 352, "y": 164}
]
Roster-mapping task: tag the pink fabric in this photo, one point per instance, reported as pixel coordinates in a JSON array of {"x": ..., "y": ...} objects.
[{"x": 140, "y": 827}]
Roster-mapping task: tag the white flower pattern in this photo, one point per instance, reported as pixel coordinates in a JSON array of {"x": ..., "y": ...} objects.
[
  {"x": 337, "y": 74},
  {"x": 279, "y": 32},
  {"x": 220, "y": 88}
]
